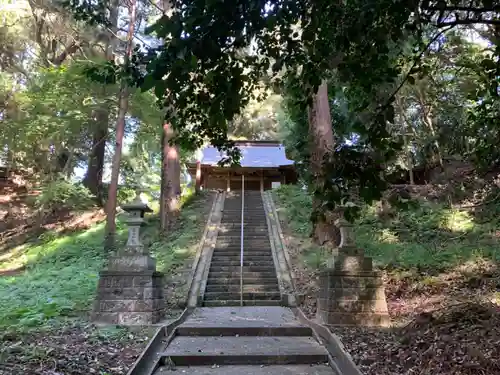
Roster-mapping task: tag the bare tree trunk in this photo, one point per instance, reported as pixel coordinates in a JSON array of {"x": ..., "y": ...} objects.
[
  {"x": 177, "y": 176},
  {"x": 427, "y": 119},
  {"x": 93, "y": 176},
  {"x": 430, "y": 125},
  {"x": 320, "y": 127},
  {"x": 409, "y": 156},
  {"x": 170, "y": 192},
  {"x": 163, "y": 186},
  {"x": 120, "y": 131},
  {"x": 170, "y": 179}
]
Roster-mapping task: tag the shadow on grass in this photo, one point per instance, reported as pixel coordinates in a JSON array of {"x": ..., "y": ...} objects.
[
  {"x": 61, "y": 270},
  {"x": 442, "y": 285},
  {"x": 59, "y": 280}
]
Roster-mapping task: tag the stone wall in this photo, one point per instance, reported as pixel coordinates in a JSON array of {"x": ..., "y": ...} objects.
[
  {"x": 351, "y": 293},
  {"x": 129, "y": 298},
  {"x": 352, "y": 298}
]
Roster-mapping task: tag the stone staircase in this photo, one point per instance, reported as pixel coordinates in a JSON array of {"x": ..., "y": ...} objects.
[
  {"x": 260, "y": 283},
  {"x": 243, "y": 341},
  {"x": 223, "y": 338}
]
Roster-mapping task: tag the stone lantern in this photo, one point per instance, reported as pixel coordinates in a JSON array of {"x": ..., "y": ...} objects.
[
  {"x": 351, "y": 292},
  {"x": 130, "y": 290}
]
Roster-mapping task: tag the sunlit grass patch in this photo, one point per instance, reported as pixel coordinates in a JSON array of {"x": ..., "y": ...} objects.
[
  {"x": 387, "y": 236},
  {"x": 429, "y": 235},
  {"x": 457, "y": 221},
  {"x": 61, "y": 272}
]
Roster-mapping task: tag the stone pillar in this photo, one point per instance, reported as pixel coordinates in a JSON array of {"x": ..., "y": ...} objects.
[
  {"x": 198, "y": 177},
  {"x": 130, "y": 290},
  {"x": 351, "y": 292}
]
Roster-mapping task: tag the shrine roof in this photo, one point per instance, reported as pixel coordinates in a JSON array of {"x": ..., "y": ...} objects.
[{"x": 254, "y": 154}]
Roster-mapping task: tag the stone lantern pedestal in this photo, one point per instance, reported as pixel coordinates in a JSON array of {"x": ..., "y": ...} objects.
[
  {"x": 351, "y": 292},
  {"x": 130, "y": 290}
]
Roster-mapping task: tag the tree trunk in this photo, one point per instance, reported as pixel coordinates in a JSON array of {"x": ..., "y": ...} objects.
[
  {"x": 407, "y": 124},
  {"x": 177, "y": 176},
  {"x": 320, "y": 128},
  {"x": 170, "y": 185},
  {"x": 120, "y": 131},
  {"x": 430, "y": 125},
  {"x": 163, "y": 185},
  {"x": 95, "y": 168},
  {"x": 427, "y": 119},
  {"x": 170, "y": 178},
  {"x": 93, "y": 176}
]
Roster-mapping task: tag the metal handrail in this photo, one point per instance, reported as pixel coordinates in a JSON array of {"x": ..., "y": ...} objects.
[{"x": 241, "y": 240}]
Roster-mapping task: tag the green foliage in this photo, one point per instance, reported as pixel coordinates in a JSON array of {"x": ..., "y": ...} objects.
[
  {"x": 59, "y": 281},
  {"x": 61, "y": 193},
  {"x": 180, "y": 244},
  {"x": 257, "y": 121},
  {"x": 428, "y": 237},
  {"x": 55, "y": 113},
  {"x": 431, "y": 236},
  {"x": 62, "y": 272},
  {"x": 201, "y": 52},
  {"x": 296, "y": 206},
  {"x": 125, "y": 194}
]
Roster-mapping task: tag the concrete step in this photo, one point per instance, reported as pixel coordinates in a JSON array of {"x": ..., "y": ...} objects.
[
  {"x": 247, "y": 288},
  {"x": 255, "y": 260},
  {"x": 230, "y": 281},
  {"x": 244, "y": 350},
  {"x": 236, "y": 223},
  {"x": 246, "y": 243},
  {"x": 247, "y": 275},
  {"x": 255, "y": 237},
  {"x": 257, "y": 245},
  {"x": 246, "y": 251},
  {"x": 236, "y": 302},
  {"x": 246, "y": 236},
  {"x": 248, "y": 271},
  {"x": 236, "y": 238},
  {"x": 243, "y": 330},
  {"x": 246, "y": 296},
  {"x": 247, "y": 215},
  {"x": 320, "y": 369},
  {"x": 235, "y": 254},
  {"x": 249, "y": 210},
  {"x": 246, "y": 263},
  {"x": 231, "y": 249},
  {"x": 247, "y": 233},
  {"x": 235, "y": 263},
  {"x": 249, "y": 238},
  {"x": 246, "y": 226}
]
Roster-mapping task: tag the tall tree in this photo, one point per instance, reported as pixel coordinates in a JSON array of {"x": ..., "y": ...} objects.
[
  {"x": 120, "y": 129},
  {"x": 100, "y": 125},
  {"x": 171, "y": 182}
]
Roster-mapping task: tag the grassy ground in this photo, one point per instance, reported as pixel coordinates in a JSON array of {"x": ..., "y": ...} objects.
[
  {"x": 429, "y": 236},
  {"x": 442, "y": 284},
  {"x": 54, "y": 291}
]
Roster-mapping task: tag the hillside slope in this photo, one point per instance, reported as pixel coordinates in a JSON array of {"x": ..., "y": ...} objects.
[
  {"x": 46, "y": 302},
  {"x": 442, "y": 283}
]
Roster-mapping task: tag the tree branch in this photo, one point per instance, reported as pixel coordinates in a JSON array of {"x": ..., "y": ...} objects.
[
  {"x": 69, "y": 50},
  {"x": 468, "y": 22},
  {"x": 415, "y": 62},
  {"x": 462, "y": 9}
]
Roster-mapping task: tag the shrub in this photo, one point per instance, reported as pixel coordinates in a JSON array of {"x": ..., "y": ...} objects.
[{"x": 61, "y": 193}]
